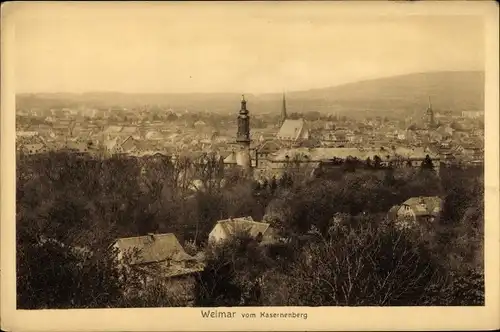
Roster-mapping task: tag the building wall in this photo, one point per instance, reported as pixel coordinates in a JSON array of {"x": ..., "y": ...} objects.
[
  {"x": 406, "y": 217},
  {"x": 304, "y": 133},
  {"x": 181, "y": 289},
  {"x": 217, "y": 234},
  {"x": 269, "y": 237}
]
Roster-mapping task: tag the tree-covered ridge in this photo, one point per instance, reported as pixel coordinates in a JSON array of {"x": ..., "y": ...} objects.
[{"x": 340, "y": 249}]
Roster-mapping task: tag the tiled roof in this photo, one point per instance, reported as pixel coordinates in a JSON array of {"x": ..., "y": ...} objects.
[
  {"x": 233, "y": 226},
  {"x": 154, "y": 248},
  {"x": 424, "y": 205}
]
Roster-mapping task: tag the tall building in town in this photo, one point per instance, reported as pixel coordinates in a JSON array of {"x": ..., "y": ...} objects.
[
  {"x": 283, "y": 111},
  {"x": 430, "y": 115},
  {"x": 242, "y": 155},
  {"x": 243, "y": 135}
]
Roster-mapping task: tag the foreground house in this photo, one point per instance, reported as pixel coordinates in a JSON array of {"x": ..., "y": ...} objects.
[
  {"x": 416, "y": 211},
  {"x": 161, "y": 259},
  {"x": 228, "y": 228}
]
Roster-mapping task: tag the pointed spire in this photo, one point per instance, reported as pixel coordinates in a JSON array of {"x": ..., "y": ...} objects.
[
  {"x": 283, "y": 109},
  {"x": 243, "y": 109},
  {"x": 430, "y": 114}
]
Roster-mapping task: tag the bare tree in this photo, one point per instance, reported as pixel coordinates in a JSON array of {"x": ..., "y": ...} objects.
[{"x": 367, "y": 266}]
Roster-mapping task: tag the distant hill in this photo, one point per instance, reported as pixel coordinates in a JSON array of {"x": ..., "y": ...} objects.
[
  {"x": 406, "y": 94},
  {"x": 447, "y": 90}
]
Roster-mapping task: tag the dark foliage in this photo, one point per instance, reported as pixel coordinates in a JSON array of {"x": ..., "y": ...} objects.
[{"x": 70, "y": 208}]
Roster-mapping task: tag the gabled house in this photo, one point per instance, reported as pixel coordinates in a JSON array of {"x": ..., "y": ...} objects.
[
  {"x": 228, "y": 228},
  {"x": 162, "y": 256},
  {"x": 158, "y": 259},
  {"x": 416, "y": 211}
]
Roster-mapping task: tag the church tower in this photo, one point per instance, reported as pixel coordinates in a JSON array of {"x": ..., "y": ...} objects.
[
  {"x": 283, "y": 111},
  {"x": 243, "y": 135},
  {"x": 430, "y": 114}
]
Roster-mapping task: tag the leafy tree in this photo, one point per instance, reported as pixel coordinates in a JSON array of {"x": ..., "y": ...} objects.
[
  {"x": 427, "y": 164},
  {"x": 389, "y": 179},
  {"x": 368, "y": 162},
  {"x": 79, "y": 202},
  {"x": 69, "y": 276},
  {"x": 377, "y": 162},
  {"x": 349, "y": 165}
]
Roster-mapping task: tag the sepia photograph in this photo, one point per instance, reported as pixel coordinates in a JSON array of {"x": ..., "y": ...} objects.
[{"x": 279, "y": 155}]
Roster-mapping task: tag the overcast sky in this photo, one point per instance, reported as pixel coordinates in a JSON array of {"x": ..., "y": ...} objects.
[{"x": 240, "y": 47}]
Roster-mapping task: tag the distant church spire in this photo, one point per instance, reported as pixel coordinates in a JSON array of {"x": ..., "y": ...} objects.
[
  {"x": 283, "y": 110},
  {"x": 430, "y": 114}
]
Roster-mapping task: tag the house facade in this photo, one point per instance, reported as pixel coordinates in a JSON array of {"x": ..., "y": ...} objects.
[
  {"x": 161, "y": 259},
  {"x": 416, "y": 211}
]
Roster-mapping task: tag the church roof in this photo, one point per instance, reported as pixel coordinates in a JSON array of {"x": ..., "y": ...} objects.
[{"x": 291, "y": 129}]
